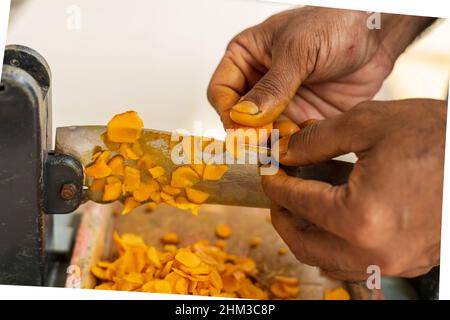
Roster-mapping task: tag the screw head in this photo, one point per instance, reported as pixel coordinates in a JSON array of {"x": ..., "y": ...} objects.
[{"x": 68, "y": 191}]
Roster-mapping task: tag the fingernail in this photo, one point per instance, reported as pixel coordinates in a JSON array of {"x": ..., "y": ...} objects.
[
  {"x": 308, "y": 122},
  {"x": 246, "y": 107}
]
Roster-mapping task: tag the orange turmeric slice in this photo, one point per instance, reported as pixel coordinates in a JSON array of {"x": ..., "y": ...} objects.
[
  {"x": 220, "y": 244},
  {"x": 292, "y": 281},
  {"x": 196, "y": 196},
  {"x": 171, "y": 190},
  {"x": 113, "y": 146},
  {"x": 214, "y": 172},
  {"x": 99, "y": 169},
  {"x": 145, "y": 189},
  {"x": 98, "y": 184},
  {"x": 336, "y": 294},
  {"x": 125, "y": 127},
  {"x": 216, "y": 279},
  {"x": 188, "y": 259},
  {"x": 255, "y": 242},
  {"x": 181, "y": 286},
  {"x": 156, "y": 197},
  {"x": 167, "y": 197},
  {"x": 181, "y": 200},
  {"x": 112, "y": 179},
  {"x": 199, "y": 168},
  {"x": 170, "y": 238},
  {"x": 286, "y": 127},
  {"x": 137, "y": 149},
  {"x": 116, "y": 164},
  {"x": 130, "y": 204},
  {"x": 126, "y": 151},
  {"x": 184, "y": 176},
  {"x": 157, "y": 171},
  {"x": 145, "y": 162},
  {"x": 132, "y": 179},
  {"x": 112, "y": 191},
  {"x": 223, "y": 231}
]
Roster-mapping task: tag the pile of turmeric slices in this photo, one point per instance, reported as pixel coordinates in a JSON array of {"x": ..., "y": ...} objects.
[
  {"x": 198, "y": 269},
  {"x": 124, "y": 172}
]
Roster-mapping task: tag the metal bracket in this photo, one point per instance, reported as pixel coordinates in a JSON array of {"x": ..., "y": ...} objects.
[{"x": 63, "y": 184}]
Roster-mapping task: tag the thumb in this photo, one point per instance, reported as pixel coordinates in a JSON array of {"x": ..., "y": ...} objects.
[
  {"x": 269, "y": 96},
  {"x": 326, "y": 139}
]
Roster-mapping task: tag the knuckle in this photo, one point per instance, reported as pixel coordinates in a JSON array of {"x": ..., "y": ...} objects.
[
  {"x": 368, "y": 231},
  {"x": 391, "y": 266}
]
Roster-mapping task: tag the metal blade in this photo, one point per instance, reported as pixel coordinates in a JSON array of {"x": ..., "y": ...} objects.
[{"x": 240, "y": 186}]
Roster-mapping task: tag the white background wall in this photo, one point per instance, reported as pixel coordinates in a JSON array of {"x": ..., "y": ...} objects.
[{"x": 157, "y": 57}]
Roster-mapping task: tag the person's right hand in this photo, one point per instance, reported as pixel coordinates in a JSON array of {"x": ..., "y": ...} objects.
[
  {"x": 389, "y": 212},
  {"x": 308, "y": 63}
]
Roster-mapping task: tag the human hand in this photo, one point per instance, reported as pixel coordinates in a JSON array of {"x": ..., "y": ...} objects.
[
  {"x": 308, "y": 63},
  {"x": 389, "y": 212}
]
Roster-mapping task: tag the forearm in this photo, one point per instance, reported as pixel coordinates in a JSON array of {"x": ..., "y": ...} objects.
[{"x": 399, "y": 31}]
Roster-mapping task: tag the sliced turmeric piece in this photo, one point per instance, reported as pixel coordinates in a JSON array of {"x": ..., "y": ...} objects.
[
  {"x": 145, "y": 189},
  {"x": 170, "y": 238},
  {"x": 125, "y": 127},
  {"x": 137, "y": 149},
  {"x": 216, "y": 279},
  {"x": 188, "y": 259},
  {"x": 171, "y": 190},
  {"x": 130, "y": 204},
  {"x": 290, "y": 289},
  {"x": 156, "y": 197},
  {"x": 162, "y": 179},
  {"x": 113, "y": 146},
  {"x": 99, "y": 169},
  {"x": 170, "y": 247},
  {"x": 132, "y": 179},
  {"x": 112, "y": 191},
  {"x": 336, "y": 294},
  {"x": 153, "y": 257},
  {"x": 145, "y": 162},
  {"x": 286, "y": 127},
  {"x": 196, "y": 196},
  {"x": 255, "y": 242},
  {"x": 220, "y": 244},
  {"x": 214, "y": 172},
  {"x": 166, "y": 197},
  {"x": 199, "y": 168},
  {"x": 126, "y": 151},
  {"x": 99, "y": 273},
  {"x": 157, "y": 171},
  {"x": 184, "y": 176},
  {"x": 278, "y": 291},
  {"x": 98, "y": 184},
  {"x": 181, "y": 200},
  {"x": 292, "y": 281},
  {"x": 116, "y": 164},
  {"x": 112, "y": 179},
  {"x": 223, "y": 231},
  {"x": 181, "y": 286},
  {"x": 150, "y": 206}
]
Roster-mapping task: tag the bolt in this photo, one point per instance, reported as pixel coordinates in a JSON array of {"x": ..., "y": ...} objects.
[
  {"x": 68, "y": 191},
  {"x": 14, "y": 62}
]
